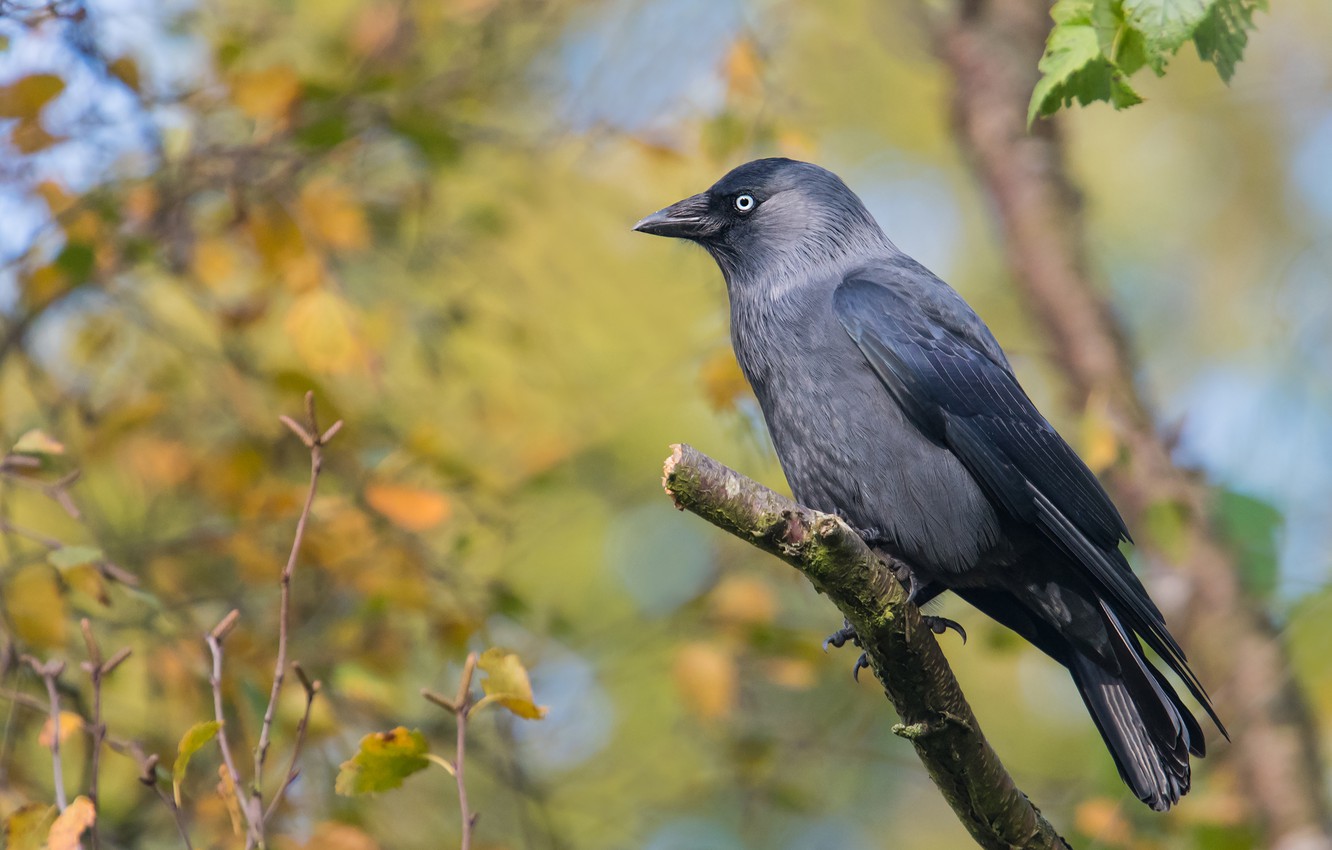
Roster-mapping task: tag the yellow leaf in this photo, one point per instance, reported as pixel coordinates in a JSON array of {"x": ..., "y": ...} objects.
[
  {"x": 26, "y": 96},
  {"x": 268, "y": 94},
  {"x": 36, "y": 607},
  {"x": 744, "y": 68},
  {"x": 746, "y": 600},
  {"x": 29, "y": 136},
  {"x": 226, "y": 789},
  {"x": 334, "y": 216},
  {"x": 507, "y": 683},
  {"x": 27, "y": 826},
  {"x": 69, "y": 724},
  {"x": 1100, "y": 445},
  {"x": 88, "y": 579},
  {"x": 38, "y": 442},
  {"x": 339, "y": 836},
  {"x": 215, "y": 261},
  {"x": 43, "y": 285},
  {"x": 795, "y": 674},
  {"x": 190, "y": 743},
  {"x": 1102, "y": 820},
  {"x": 126, "y": 70},
  {"x": 705, "y": 677},
  {"x": 412, "y": 508},
  {"x": 321, "y": 326},
  {"x": 723, "y": 382},
  {"x": 283, "y": 248},
  {"x": 57, "y": 198},
  {"x": 71, "y": 824},
  {"x": 383, "y": 761}
]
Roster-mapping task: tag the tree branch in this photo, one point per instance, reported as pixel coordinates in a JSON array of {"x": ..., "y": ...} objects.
[
  {"x": 902, "y": 651},
  {"x": 50, "y": 672},
  {"x": 992, "y": 47}
]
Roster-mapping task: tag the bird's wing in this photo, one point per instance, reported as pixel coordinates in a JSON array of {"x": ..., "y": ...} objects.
[{"x": 946, "y": 371}]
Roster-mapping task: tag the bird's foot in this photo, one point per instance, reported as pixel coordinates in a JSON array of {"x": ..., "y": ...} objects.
[
  {"x": 839, "y": 638},
  {"x": 862, "y": 663},
  {"x": 939, "y": 625},
  {"x": 908, "y": 580}
]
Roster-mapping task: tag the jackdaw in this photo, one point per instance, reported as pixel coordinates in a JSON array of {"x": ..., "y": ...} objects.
[{"x": 891, "y": 404}]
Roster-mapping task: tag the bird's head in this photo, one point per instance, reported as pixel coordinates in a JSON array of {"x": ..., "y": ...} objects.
[{"x": 774, "y": 217}]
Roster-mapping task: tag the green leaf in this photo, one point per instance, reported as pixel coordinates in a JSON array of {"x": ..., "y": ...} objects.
[
  {"x": 1167, "y": 525},
  {"x": 1222, "y": 36},
  {"x": 384, "y": 760},
  {"x": 1250, "y": 527},
  {"x": 198, "y": 735},
  {"x": 1074, "y": 68},
  {"x": 1166, "y": 24},
  {"x": 69, "y": 557}
]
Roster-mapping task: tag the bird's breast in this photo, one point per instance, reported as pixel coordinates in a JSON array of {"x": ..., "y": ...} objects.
[{"x": 847, "y": 448}]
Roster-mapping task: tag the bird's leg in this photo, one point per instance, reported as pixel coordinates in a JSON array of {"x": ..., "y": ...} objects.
[
  {"x": 939, "y": 625},
  {"x": 839, "y": 638}
]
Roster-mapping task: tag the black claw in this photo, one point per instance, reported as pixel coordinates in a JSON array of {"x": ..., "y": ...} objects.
[
  {"x": 939, "y": 625},
  {"x": 840, "y": 637},
  {"x": 862, "y": 663}
]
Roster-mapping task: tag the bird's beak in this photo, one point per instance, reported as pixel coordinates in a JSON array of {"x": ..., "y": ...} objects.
[{"x": 687, "y": 219}]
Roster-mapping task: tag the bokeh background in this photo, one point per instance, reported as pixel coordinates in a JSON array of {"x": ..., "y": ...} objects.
[{"x": 420, "y": 209}]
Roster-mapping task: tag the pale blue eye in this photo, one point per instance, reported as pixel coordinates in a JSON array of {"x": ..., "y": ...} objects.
[{"x": 744, "y": 203}]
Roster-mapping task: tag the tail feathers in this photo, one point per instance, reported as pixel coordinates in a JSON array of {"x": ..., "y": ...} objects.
[{"x": 1148, "y": 730}]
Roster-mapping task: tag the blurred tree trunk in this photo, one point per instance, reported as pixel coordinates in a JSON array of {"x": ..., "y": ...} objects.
[{"x": 991, "y": 47}]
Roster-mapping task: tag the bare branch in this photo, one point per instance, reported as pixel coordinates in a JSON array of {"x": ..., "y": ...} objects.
[
  {"x": 148, "y": 776},
  {"x": 253, "y": 825},
  {"x": 311, "y": 437},
  {"x": 311, "y": 690},
  {"x": 50, "y": 672},
  {"x": 97, "y": 670},
  {"x": 460, "y": 707},
  {"x": 901, "y": 649}
]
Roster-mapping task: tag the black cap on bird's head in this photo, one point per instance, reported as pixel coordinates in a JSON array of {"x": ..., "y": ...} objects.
[{"x": 767, "y": 210}]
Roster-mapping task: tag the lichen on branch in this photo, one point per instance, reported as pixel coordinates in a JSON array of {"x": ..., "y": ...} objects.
[{"x": 901, "y": 649}]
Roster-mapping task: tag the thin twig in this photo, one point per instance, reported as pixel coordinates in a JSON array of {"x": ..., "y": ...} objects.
[
  {"x": 254, "y": 829},
  {"x": 460, "y": 707},
  {"x": 35, "y": 536},
  {"x": 311, "y": 689},
  {"x": 49, "y": 672},
  {"x": 148, "y": 776},
  {"x": 97, "y": 670},
  {"x": 315, "y": 441}
]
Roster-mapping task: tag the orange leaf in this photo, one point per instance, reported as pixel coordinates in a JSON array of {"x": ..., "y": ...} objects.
[
  {"x": 705, "y": 677},
  {"x": 268, "y": 94},
  {"x": 333, "y": 215},
  {"x": 214, "y": 261},
  {"x": 71, "y": 824},
  {"x": 412, "y": 508},
  {"x": 746, "y": 600},
  {"x": 1103, "y": 820},
  {"x": 744, "y": 68},
  {"x": 723, "y": 382},
  {"x": 69, "y": 724}
]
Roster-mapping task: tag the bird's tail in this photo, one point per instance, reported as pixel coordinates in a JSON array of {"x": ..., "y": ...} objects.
[{"x": 1148, "y": 730}]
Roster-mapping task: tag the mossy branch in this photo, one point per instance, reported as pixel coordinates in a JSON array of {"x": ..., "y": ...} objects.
[{"x": 901, "y": 648}]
